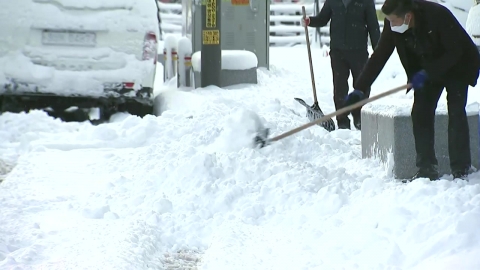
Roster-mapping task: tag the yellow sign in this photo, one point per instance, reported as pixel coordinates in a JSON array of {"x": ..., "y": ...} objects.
[
  {"x": 240, "y": 2},
  {"x": 211, "y": 37},
  {"x": 211, "y": 6}
]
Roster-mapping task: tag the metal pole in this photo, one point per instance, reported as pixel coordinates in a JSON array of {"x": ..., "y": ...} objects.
[{"x": 211, "y": 60}]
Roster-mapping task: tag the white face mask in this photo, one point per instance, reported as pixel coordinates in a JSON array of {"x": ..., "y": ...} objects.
[{"x": 401, "y": 28}]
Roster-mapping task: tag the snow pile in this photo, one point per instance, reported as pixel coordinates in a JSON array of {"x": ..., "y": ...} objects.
[
  {"x": 176, "y": 99},
  {"x": 391, "y": 107},
  {"x": 16, "y": 67},
  {"x": 81, "y": 69},
  {"x": 240, "y": 130},
  {"x": 380, "y": 226},
  {"x": 231, "y": 60},
  {"x": 135, "y": 193}
]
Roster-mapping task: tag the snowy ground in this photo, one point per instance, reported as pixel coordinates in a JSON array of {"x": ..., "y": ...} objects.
[{"x": 135, "y": 193}]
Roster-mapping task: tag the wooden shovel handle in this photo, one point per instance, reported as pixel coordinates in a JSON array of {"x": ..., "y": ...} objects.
[
  {"x": 310, "y": 58},
  {"x": 341, "y": 111}
]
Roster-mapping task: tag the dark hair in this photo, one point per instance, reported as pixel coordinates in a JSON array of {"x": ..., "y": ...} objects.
[{"x": 397, "y": 7}]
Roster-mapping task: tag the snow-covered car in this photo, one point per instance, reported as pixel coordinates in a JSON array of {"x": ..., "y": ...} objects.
[
  {"x": 60, "y": 55},
  {"x": 473, "y": 23}
]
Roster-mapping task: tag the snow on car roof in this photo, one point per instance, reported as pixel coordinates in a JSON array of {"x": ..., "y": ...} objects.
[{"x": 91, "y": 4}]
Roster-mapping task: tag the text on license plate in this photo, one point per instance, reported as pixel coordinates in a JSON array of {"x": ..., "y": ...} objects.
[{"x": 68, "y": 38}]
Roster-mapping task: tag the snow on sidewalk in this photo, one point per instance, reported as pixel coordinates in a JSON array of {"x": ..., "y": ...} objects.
[
  {"x": 134, "y": 193},
  {"x": 5, "y": 169}
]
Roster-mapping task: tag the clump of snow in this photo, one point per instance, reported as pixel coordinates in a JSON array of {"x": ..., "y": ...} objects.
[
  {"x": 231, "y": 60},
  {"x": 97, "y": 212},
  {"x": 184, "y": 47},
  {"x": 177, "y": 99},
  {"x": 163, "y": 206},
  {"x": 240, "y": 130},
  {"x": 472, "y": 108}
]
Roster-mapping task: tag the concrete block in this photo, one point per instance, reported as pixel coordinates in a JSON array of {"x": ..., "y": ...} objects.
[
  {"x": 231, "y": 77},
  {"x": 387, "y": 134},
  {"x": 238, "y": 67}
]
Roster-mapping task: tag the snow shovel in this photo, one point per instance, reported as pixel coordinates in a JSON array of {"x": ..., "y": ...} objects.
[
  {"x": 314, "y": 112},
  {"x": 262, "y": 135}
]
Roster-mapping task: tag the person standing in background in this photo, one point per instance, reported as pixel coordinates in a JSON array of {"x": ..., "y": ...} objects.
[{"x": 351, "y": 23}]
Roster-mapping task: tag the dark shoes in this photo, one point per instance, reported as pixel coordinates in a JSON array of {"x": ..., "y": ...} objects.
[
  {"x": 427, "y": 172},
  {"x": 357, "y": 123},
  {"x": 343, "y": 126},
  {"x": 461, "y": 174},
  {"x": 345, "y": 123},
  {"x": 357, "y": 119},
  {"x": 432, "y": 174}
]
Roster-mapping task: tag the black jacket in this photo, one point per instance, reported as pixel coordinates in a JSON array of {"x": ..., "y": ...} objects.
[
  {"x": 447, "y": 50},
  {"x": 350, "y": 25}
]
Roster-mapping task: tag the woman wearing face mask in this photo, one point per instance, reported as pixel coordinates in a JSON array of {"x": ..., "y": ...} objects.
[{"x": 436, "y": 53}]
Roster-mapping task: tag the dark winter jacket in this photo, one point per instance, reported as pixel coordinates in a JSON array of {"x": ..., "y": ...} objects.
[
  {"x": 445, "y": 51},
  {"x": 351, "y": 22}
]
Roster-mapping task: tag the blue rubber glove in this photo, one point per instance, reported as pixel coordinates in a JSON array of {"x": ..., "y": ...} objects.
[
  {"x": 418, "y": 80},
  {"x": 354, "y": 97}
]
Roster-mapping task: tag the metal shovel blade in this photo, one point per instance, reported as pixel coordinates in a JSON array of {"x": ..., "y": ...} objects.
[
  {"x": 314, "y": 112},
  {"x": 261, "y": 138}
]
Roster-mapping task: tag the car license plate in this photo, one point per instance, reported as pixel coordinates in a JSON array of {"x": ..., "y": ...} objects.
[{"x": 68, "y": 38}]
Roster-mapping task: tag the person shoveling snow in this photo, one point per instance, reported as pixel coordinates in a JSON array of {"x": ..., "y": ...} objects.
[{"x": 436, "y": 53}]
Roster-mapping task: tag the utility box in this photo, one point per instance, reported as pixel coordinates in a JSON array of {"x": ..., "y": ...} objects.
[{"x": 244, "y": 26}]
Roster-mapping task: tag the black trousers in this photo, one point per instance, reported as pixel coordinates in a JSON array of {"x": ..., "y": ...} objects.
[
  {"x": 343, "y": 62},
  {"x": 423, "y": 119}
]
